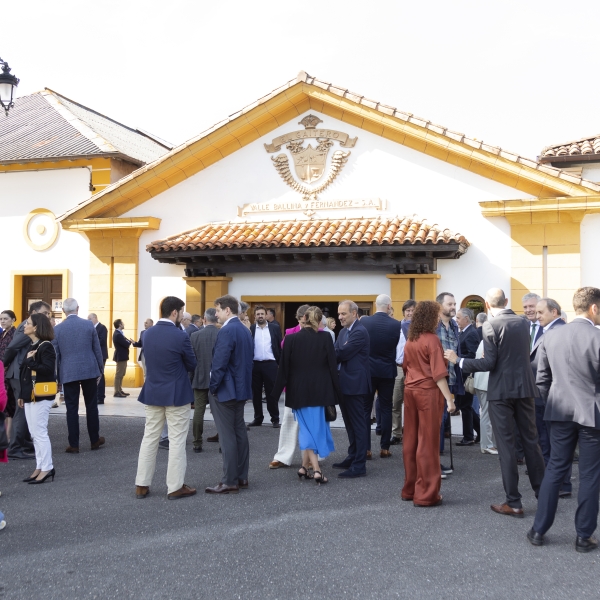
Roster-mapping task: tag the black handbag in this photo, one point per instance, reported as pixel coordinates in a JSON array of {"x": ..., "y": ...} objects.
[
  {"x": 3, "y": 436},
  {"x": 330, "y": 413}
]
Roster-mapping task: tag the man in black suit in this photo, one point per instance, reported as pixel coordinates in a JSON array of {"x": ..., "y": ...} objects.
[
  {"x": 511, "y": 390},
  {"x": 548, "y": 316},
  {"x": 386, "y": 350},
  {"x": 568, "y": 379},
  {"x": 352, "y": 352},
  {"x": 195, "y": 325},
  {"x": 469, "y": 342},
  {"x": 140, "y": 344},
  {"x": 530, "y": 302},
  {"x": 102, "y": 332},
  {"x": 480, "y": 319},
  {"x": 120, "y": 356},
  {"x": 267, "y": 348}
]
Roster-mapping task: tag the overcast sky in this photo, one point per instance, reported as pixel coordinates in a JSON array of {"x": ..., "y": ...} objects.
[{"x": 516, "y": 74}]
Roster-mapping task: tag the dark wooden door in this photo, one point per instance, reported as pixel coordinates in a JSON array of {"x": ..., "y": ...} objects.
[{"x": 42, "y": 287}]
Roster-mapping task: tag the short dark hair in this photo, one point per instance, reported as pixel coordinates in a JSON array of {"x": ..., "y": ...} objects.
[
  {"x": 584, "y": 298},
  {"x": 196, "y": 318},
  {"x": 43, "y": 328},
  {"x": 440, "y": 297},
  {"x": 259, "y": 307},
  {"x": 228, "y": 301},
  {"x": 169, "y": 304},
  {"x": 36, "y": 306},
  {"x": 360, "y": 312},
  {"x": 117, "y": 323},
  {"x": 272, "y": 311},
  {"x": 10, "y": 313},
  {"x": 408, "y": 304}
]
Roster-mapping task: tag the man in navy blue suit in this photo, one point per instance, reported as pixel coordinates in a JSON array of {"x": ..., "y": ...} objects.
[
  {"x": 548, "y": 313},
  {"x": 385, "y": 353},
  {"x": 167, "y": 394},
  {"x": 352, "y": 351},
  {"x": 230, "y": 386}
]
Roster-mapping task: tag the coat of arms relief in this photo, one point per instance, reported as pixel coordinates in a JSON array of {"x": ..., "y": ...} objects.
[{"x": 310, "y": 163}]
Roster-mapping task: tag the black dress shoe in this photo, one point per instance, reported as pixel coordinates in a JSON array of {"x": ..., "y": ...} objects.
[
  {"x": 349, "y": 474},
  {"x": 464, "y": 442},
  {"x": 255, "y": 423},
  {"x": 394, "y": 441},
  {"x": 585, "y": 544},
  {"x": 537, "y": 539},
  {"x": 341, "y": 465},
  {"x": 276, "y": 425},
  {"x": 100, "y": 401},
  {"x": 564, "y": 494},
  {"x": 21, "y": 455},
  {"x": 198, "y": 449},
  {"x": 213, "y": 438}
]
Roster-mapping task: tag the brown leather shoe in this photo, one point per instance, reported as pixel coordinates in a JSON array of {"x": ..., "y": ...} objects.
[
  {"x": 72, "y": 450},
  {"x": 141, "y": 491},
  {"x": 385, "y": 454},
  {"x": 221, "y": 488},
  {"x": 184, "y": 492},
  {"x": 275, "y": 464},
  {"x": 243, "y": 484},
  {"x": 213, "y": 438},
  {"x": 369, "y": 455},
  {"x": 505, "y": 509},
  {"x": 99, "y": 443}
]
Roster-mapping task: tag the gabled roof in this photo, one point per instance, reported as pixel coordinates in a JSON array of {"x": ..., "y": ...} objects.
[
  {"x": 308, "y": 93},
  {"x": 47, "y": 126},
  {"x": 583, "y": 149}
]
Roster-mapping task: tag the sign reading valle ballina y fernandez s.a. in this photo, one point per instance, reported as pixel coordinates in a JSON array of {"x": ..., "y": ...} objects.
[{"x": 311, "y": 206}]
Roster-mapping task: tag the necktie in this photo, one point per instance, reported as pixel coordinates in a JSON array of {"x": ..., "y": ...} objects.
[{"x": 532, "y": 336}]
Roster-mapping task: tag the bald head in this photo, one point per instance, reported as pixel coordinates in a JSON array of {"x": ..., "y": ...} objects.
[
  {"x": 383, "y": 303},
  {"x": 495, "y": 298}
]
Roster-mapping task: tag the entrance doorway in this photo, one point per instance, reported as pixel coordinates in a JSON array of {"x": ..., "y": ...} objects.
[{"x": 48, "y": 288}]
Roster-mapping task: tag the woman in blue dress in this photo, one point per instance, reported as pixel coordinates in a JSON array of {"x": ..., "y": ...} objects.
[{"x": 308, "y": 372}]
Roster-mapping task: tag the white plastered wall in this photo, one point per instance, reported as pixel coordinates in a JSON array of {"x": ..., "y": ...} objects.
[{"x": 409, "y": 181}]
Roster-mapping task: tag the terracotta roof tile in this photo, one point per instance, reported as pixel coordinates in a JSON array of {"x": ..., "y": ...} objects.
[
  {"x": 589, "y": 145},
  {"x": 316, "y": 233}
]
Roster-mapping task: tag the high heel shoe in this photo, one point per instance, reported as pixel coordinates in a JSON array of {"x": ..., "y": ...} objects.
[
  {"x": 28, "y": 479},
  {"x": 321, "y": 479},
  {"x": 304, "y": 474},
  {"x": 48, "y": 474}
]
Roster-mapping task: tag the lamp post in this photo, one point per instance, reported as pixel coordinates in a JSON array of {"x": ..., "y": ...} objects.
[{"x": 8, "y": 83}]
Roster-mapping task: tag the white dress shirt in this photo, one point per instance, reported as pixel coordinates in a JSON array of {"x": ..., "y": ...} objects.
[
  {"x": 400, "y": 349},
  {"x": 263, "y": 349},
  {"x": 550, "y": 324}
]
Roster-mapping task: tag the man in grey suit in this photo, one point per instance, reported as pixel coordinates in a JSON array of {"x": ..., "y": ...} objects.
[
  {"x": 80, "y": 364},
  {"x": 568, "y": 378},
  {"x": 21, "y": 445},
  {"x": 203, "y": 342},
  {"x": 511, "y": 390}
]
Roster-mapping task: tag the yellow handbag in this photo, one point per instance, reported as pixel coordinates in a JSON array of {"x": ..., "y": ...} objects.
[{"x": 43, "y": 388}]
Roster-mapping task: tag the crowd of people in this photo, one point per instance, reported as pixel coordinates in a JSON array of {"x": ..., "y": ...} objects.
[{"x": 526, "y": 388}]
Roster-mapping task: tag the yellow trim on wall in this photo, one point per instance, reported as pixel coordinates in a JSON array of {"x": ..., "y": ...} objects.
[{"x": 16, "y": 283}]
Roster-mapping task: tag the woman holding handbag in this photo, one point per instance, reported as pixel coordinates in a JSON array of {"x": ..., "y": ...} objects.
[
  {"x": 38, "y": 390},
  {"x": 308, "y": 372}
]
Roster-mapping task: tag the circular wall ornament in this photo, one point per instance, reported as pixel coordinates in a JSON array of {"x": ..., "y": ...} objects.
[{"x": 40, "y": 229}]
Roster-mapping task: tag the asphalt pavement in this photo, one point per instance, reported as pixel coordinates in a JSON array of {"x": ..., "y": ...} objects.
[{"x": 85, "y": 535}]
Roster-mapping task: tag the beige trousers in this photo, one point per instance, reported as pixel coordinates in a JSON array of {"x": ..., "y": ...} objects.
[
  {"x": 119, "y": 374},
  {"x": 178, "y": 418},
  {"x": 397, "y": 402}
]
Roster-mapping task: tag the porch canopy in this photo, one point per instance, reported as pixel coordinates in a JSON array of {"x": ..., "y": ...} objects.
[{"x": 398, "y": 245}]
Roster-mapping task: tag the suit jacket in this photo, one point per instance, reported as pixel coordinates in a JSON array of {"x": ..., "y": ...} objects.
[
  {"x": 121, "y": 345},
  {"x": 506, "y": 357},
  {"x": 479, "y": 331},
  {"x": 231, "y": 369},
  {"x": 169, "y": 356},
  {"x": 275, "y": 333},
  {"x": 352, "y": 353},
  {"x": 140, "y": 342},
  {"x": 102, "y": 333},
  {"x": 203, "y": 342},
  {"x": 568, "y": 373},
  {"x": 534, "y": 356},
  {"x": 191, "y": 328},
  {"x": 469, "y": 342},
  {"x": 15, "y": 352},
  {"x": 308, "y": 351},
  {"x": 77, "y": 348},
  {"x": 384, "y": 336}
]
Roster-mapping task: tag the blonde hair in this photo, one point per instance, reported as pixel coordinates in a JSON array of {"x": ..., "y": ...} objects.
[
  {"x": 331, "y": 323},
  {"x": 313, "y": 317}
]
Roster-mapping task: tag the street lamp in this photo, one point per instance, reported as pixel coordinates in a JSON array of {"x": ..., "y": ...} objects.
[{"x": 8, "y": 83}]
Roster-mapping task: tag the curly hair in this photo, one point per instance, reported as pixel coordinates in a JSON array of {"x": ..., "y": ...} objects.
[{"x": 425, "y": 319}]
